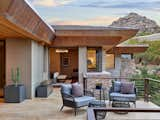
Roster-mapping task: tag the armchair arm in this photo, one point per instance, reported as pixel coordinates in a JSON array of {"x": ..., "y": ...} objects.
[
  {"x": 68, "y": 97},
  {"x": 109, "y": 92},
  {"x": 135, "y": 90}
]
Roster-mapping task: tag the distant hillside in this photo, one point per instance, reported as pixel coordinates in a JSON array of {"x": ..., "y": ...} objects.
[
  {"x": 153, "y": 37},
  {"x": 145, "y": 25}
]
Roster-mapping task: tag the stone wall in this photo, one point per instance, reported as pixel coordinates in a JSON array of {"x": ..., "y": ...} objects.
[
  {"x": 82, "y": 62},
  {"x": 128, "y": 67},
  {"x": 94, "y": 78}
]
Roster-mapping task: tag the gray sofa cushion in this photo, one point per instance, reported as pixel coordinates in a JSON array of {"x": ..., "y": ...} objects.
[
  {"x": 83, "y": 101},
  {"x": 123, "y": 97},
  {"x": 117, "y": 86},
  {"x": 127, "y": 87},
  {"x": 66, "y": 88}
]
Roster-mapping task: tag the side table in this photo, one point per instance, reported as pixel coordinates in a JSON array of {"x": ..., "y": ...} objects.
[{"x": 101, "y": 92}]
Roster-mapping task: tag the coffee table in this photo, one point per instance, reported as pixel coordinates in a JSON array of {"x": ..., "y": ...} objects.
[{"x": 98, "y": 103}]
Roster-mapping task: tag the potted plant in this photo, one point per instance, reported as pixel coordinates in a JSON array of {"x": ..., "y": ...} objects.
[
  {"x": 98, "y": 85},
  {"x": 15, "y": 93}
]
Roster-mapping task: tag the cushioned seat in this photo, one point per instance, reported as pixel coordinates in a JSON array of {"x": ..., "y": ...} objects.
[
  {"x": 123, "y": 92},
  {"x": 84, "y": 100},
  {"x": 123, "y": 97}
]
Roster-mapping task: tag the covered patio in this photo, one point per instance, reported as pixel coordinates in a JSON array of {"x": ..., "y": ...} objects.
[
  {"x": 48, "y": 109},
  {"x": 25, "y": 41}
]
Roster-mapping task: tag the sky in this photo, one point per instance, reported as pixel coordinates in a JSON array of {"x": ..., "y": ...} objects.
[{"x": 93, "y": 12}]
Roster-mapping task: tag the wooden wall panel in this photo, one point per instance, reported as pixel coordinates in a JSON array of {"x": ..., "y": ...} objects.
[
  {"x": 54, "y": 61},
  {"x": 73, "y": 62}
]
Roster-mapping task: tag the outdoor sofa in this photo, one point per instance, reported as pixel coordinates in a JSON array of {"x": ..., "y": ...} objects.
[{"x": 123, "y": 92}]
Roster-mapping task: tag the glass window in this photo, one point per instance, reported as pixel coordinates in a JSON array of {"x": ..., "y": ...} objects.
[
  {"x": 126, "y": 56},
  {"x": 94, "y": 60},
  {"x": 91, "y": 61},
  {"x": 110, "y": 61}
]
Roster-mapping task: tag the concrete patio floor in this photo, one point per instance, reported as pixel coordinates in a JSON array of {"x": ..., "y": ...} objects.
[{"x": 48, "y": 109}]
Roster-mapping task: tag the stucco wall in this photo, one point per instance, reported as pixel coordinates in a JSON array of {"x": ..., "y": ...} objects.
[
  {"x": 18, "y": 54},
  {"x": 116, "y": 71},
  {"x": 103, "y": 59},
  {"x": 38, "y": 70},
  {"x": 29, "y": 57},
  {"x": 82, "y": 52}
]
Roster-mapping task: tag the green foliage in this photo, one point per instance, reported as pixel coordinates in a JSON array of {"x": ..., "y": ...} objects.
[
  {"x": 18, "y": 75},
  {"x": 15, "y": 76},
  {"x": 154, "y": 87},
  {"x": 151, "y": 56},
  {"x": 145, "y": 74},
  {"x": 144, "y": 33},
  {"x": 12, "y": 75}
]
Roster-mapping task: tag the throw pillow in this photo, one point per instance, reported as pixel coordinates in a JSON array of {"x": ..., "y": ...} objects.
[
  {"x": 117, "y": 86},
  {"x": 77, "y": 90},
  {"x": 66, "y": 88},
  {"x": 127, "y": 87}
]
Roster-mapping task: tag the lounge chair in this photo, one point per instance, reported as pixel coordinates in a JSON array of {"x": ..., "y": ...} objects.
[
  {"x": 115, "y": 94},
  {"x": 74, "y": 102}
]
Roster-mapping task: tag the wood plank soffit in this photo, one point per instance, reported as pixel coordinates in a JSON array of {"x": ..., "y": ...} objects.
[{"x": 20, "y": 17}]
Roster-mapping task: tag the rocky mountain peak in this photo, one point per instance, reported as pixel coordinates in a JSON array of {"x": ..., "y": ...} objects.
[{"x": 134, "y": 20}]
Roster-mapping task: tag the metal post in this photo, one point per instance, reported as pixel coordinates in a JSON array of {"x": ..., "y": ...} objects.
[{"x": 146, "y": 90}]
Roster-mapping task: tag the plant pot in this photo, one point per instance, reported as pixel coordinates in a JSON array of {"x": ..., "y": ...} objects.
[
  {"x": 98, "y": 87},
  {"x": 14, "y": 94}
]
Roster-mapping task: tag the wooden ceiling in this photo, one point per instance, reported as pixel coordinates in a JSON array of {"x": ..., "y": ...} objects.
[
  {"x": 6, "y": 32},
  {"x": 69, "y": 36},
  {"x": 19, "y": 20},
  {"x": 75, "y": 41},
  {"x": 128, "y": 49}
]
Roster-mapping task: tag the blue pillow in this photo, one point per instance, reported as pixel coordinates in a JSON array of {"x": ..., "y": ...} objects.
[
  {"x": 66, "y": 88},
  {"x": 117, "y": 86}
]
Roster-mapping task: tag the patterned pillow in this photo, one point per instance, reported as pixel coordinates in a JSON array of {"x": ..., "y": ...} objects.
[
  {"x": 77, "y": 90},
  {"x": 127, "y": 87},
  {"x": 117, "y": 86}
]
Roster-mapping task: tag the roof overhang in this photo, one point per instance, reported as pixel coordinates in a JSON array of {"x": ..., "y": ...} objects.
[
  {"x": 91, "y": 36},
  {"x": 129, "y": 49},
  {"x": 19, "y": 20}
]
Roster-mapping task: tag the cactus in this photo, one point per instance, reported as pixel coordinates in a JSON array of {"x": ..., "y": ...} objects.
[
  {"x": 12, "y": 76},
  {"x": 15, "y": 76}
]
